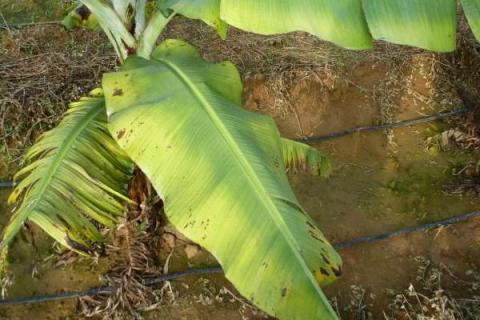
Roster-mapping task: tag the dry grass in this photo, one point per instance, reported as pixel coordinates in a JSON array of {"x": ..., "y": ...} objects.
[{"x": 42, "y": 69}]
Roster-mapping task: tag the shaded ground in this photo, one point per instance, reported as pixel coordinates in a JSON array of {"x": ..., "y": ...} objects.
[{"x": 381, "y": 182}]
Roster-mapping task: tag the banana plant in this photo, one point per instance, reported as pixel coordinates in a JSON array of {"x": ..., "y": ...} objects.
[{"x": 220, "y": 169}]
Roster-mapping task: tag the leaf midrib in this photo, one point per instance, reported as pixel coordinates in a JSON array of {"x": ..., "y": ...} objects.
[
  {"x": 245, "y": 164},
  {"x": 58, "y": 158}
]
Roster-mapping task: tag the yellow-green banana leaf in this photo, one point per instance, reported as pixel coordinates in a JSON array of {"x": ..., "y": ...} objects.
[
  {"x": 221, "y": 173},
  {"x": 339, "y": 21},
  {"x": 429, "y": 24}
]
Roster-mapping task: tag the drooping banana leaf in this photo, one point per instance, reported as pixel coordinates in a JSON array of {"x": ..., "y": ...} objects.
[
  {"x": 221, "y": 174},
  {"x": 76, "y": 174},
  {"x": 206, "y": 10},
  {"x": 472, "y": 11},
  {"x": 429, "y": 24},
  {"x": 339, "y": 21}
]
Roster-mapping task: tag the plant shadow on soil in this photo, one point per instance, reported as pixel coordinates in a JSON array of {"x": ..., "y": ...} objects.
[{"x": 382, "y": 181}]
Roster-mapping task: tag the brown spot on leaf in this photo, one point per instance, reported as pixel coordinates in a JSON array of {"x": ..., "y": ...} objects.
[
  {"x": 120, "y": 134},
  {"x": 314, "y": 236},
  {"x": 324, "y": 272},
  {"x": 117, "y": 92},
  {"x": 337, "y": 272},
  {"x": 284, "y": 292},
  {"x": 325, "y": 259}
]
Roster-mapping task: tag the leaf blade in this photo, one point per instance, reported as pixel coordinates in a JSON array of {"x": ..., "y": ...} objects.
[
  {"x": 341, "y": 22},
  {"x": 428, "y": 24},
  {"x": 220, "y": 172}
]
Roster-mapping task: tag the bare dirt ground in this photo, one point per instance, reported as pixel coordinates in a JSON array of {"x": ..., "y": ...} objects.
[{"x": 382, "y": 181}]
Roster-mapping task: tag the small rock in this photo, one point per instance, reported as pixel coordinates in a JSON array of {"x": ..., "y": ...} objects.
[
  {"x": 445, "y": 142},
  {"x": 191, "y": 250},
  {"x": 169, "y": 240},
  {"x": 178, "y": 235}
]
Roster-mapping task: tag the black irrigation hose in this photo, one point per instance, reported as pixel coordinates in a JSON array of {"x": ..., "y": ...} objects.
[
  {"x": 407, "y": 231},
  {"x": 218, "y": 269},
  {"x": 108, "y": 289},
  {"x": 7, "y": 184},
  {"x": 395, "y": 124}
]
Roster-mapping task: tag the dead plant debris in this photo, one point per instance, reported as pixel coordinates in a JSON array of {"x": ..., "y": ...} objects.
[{"x": 429, "y": 299}]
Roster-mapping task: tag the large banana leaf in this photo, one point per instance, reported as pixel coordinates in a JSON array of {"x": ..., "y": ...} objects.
[
  {"x": 220, "y": 170},
  {"x": 429, "y": 24},
  {"x": 76, "y": 174},
  {"x": 339, "y": 21}
]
